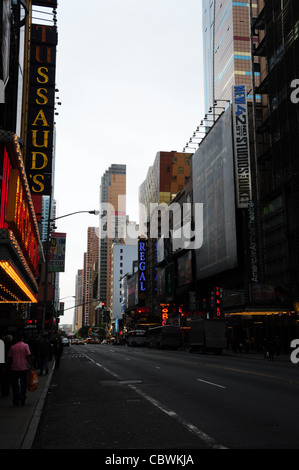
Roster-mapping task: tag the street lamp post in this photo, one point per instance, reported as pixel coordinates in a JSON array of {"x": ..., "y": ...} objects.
[{"x": 47, "y": 256}]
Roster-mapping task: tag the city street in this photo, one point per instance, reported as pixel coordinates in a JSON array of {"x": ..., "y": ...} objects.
[{"x": 117, "y": 397}]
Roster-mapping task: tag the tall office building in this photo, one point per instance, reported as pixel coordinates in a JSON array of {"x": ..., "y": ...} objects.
[
  {"x": 227, "y": 48},
  {"x": 79, "y": 300},
  {"x": 90, "y": 291},
  {"x": 112, "y": 224},
  {"x": 164, "y": 180}
]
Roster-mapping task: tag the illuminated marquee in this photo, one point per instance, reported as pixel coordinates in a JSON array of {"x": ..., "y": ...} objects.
[
  {"x": 20, "y": 221},
  {"x": 39, "y": 145}
]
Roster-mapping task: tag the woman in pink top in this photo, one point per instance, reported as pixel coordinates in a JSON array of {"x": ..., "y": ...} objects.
[{"x": 19, "y": 357}]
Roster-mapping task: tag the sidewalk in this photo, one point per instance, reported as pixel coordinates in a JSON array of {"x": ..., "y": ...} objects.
[
  {"x": 282, "y": 357},
  {"x": 18, "y": 425}
]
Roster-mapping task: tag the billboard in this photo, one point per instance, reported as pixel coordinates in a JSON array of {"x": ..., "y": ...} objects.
[
  {"x": 241, "y": 147},
  {"x": 57, "y": 252},
  {"x": 39, "y": 143},
  {"x": 214, "y": 187}
]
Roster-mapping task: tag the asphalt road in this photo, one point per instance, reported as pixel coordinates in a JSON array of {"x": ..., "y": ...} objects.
[{"x": 116, "y": 397}]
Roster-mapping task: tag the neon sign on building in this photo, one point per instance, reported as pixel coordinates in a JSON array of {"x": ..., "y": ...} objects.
[
  {"x": 142, "y": 266},
  {"x": 39, "y": 146}
]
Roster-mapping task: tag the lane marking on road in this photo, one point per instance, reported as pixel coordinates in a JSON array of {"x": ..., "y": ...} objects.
[
  {"x": 210, "y": 383},
  {"x": 129, "y": 382},
  {"x": 248, "y": 372},
  {"x": 208, "y": 440},
  {"x": 108, "y": 370},
  {"x": 103, "y": 367}
]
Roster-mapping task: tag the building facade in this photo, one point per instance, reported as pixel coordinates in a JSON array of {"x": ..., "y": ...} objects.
[
  {"x": 276, "y": 29},
  {"x": 79, "y": 300},
  {"x": 90, "y": 278},
  {"x": 123, "y": 257},
  {"x": 21, "y": 252},
  {"x": 112, "y": 223}
]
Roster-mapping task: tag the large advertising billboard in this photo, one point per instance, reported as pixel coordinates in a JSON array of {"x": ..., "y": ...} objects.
[
  {"x": 241, "y": 147},
  {"x": 57, "y": 252},
  {"x": 214, "y": 187}
]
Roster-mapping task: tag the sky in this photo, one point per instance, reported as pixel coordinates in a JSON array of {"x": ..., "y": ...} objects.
[{"x": 130, "y": 80}]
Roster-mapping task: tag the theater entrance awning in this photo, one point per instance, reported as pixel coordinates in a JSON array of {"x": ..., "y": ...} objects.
[{"x": 17, "y": 282}]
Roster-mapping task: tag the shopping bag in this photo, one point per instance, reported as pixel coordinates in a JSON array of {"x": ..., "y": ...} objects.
[{"x": 33, "y": 381}]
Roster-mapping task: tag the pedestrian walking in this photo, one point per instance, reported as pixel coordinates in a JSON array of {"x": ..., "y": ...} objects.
[{"x": 19, "y": 357}]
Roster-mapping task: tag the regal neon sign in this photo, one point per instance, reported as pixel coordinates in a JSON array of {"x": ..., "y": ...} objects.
[{"x": 142, "y": 266}]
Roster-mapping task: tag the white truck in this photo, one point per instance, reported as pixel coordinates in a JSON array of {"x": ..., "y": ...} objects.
[{"x": 208, "y": 336}]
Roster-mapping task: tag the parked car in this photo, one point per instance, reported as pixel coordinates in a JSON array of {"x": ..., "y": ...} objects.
[{"x": 65, "y": 342}]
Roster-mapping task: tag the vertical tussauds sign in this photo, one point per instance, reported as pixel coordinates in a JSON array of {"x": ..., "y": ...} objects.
[{"x": 39, "y": 145}]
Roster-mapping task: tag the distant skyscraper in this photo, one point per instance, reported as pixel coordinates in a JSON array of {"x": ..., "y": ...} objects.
[
  {"x": 112, "y": 223},
  {"x": 227, "y": 48},
  {"x": 79, "y": 300},
  {"x": 90, "y": 275}
]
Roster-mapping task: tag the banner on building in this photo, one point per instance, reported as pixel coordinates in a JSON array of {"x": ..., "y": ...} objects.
[
  {"x": 39, "y": 144},
  {"x": 241, "y": 147},
  {"x": 57, "y": 252}
]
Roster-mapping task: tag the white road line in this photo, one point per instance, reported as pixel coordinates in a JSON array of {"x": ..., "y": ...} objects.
[
  {"x": 209, "y": 441},
  {"x": 104, "y": 368},
  {"x": 109, "y": 371},
  {"x": 210, "y": 383},
  {"x": 200, "y": 434}
]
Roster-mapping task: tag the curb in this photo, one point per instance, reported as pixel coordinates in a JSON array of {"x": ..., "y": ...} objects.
[{"x": 33, "y": 425}]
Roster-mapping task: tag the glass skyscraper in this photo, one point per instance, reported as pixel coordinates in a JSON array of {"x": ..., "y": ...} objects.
[{"x": 227, "y": 48}]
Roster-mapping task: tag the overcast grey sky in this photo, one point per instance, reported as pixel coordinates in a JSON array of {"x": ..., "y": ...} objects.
[{"x": 130, "y": 80}]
